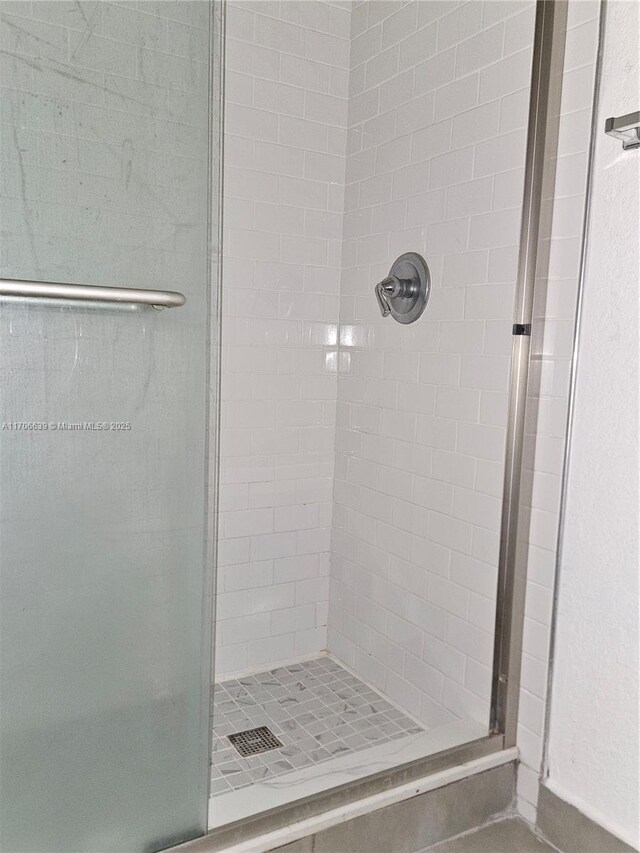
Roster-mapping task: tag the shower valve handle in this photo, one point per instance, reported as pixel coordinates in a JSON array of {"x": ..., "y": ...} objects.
[
  {"x": 404, "y": 293},
  {"x": 391, "y": 287}
]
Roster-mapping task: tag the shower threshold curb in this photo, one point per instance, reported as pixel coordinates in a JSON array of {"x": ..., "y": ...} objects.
[{"x": 334, "y": 817}]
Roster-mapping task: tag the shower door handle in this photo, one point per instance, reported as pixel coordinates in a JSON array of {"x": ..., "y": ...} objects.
[{"x": 90, "y": 293}]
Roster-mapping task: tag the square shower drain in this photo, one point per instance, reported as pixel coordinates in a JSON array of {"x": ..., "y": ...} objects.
[{"x": 254, "y": 741}]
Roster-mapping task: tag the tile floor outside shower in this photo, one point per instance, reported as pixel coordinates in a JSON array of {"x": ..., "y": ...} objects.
[
  {"x": 510, "y": 835},
  {"x": 505, "y": 836},
  {"x": 317, "y": 709}
]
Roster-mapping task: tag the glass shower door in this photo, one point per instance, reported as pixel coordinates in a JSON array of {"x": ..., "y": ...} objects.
[{"x": 104, "y": 573}]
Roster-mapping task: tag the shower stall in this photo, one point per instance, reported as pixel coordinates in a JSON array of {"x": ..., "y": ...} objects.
[{"x": 260, "y": 486}]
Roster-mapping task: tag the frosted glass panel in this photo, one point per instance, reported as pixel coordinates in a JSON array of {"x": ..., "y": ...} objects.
[{"x": 103, "y": 410}]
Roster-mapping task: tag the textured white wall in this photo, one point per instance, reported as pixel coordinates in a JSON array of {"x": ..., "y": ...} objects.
[
  {"x": 593, "y": 748},
  {"x": 286, "y": 108},
  {"x": 437, "y": 124}
]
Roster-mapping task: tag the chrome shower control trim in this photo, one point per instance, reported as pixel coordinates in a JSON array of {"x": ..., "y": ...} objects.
[{"x": 405, "y": 292}]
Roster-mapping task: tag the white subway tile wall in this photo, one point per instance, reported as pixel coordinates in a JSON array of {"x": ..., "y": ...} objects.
[
  {"x": 435, "y": 164},
  {"x": 287, "y": 68},
  {"x": 554, "y": 313}
]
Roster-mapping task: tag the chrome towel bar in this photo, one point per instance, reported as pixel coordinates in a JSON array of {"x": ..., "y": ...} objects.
[{"x": 90, "y": 293}]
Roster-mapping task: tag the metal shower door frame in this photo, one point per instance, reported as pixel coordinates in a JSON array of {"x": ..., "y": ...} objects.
[{"x": 535, "y": 232}]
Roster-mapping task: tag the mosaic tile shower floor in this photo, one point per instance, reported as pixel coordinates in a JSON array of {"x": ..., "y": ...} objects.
[{"x": 317, "y": 709}]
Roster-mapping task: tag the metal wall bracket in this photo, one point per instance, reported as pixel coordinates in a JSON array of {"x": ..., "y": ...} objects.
[{"x": 626, "y": 128}]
